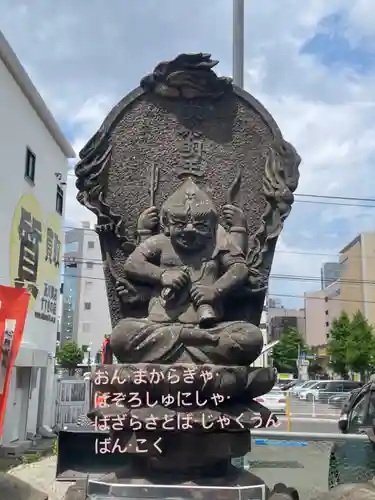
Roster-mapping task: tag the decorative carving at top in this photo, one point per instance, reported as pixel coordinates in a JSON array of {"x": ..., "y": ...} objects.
[{"x": 188, "y": 76}]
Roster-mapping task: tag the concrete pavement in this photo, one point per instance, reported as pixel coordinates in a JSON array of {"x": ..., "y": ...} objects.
[
  {"x": 41, "y": 475},
  {"x": 303, "y": 467}
]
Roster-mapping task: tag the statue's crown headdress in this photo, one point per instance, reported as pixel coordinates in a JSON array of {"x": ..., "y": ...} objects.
[{"x": 189, "y": 197}]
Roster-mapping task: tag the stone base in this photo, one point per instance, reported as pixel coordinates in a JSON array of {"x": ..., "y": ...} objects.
[
  {"x": 126, "y": 483},
  {"x": 181, "y": 452}
]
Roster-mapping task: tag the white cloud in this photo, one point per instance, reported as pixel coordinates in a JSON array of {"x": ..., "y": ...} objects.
[{"x": 83, "y": 60}]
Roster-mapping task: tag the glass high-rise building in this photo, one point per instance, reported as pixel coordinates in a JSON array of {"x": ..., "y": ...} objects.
[{"x": 330, "y": 272}]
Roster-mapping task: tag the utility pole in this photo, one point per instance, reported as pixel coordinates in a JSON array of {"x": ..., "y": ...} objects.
[
  {"x": 299, "y": 361},
  {"x": 238, "y": 42}
]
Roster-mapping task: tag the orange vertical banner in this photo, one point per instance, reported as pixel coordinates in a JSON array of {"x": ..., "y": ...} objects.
[{"x": 14, "y": 303}]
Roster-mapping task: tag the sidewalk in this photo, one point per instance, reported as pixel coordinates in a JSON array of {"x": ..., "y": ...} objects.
[
  {"x": 41, "y": 448},
  {"x": 41, "y": 475}
]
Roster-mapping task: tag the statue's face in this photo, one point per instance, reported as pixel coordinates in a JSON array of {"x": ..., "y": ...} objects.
[{"x": 191, "y": 233}]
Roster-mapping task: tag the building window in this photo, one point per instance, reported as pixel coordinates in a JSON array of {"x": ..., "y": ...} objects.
[
  {"x": 327, "y": 312},
  {"x": 59, "y": 200},
  {"x": 86, "y": 327},
  {"x": 91, "y": 244},
  {"x": 72, "y": 246},
  {"x": 87, "y": 306},
  {"x": 89, "y": 265},
  {"x": 30, "y": 166},
  {"x": 88, "y": 285},
  {"x": 327, "y": 323}
]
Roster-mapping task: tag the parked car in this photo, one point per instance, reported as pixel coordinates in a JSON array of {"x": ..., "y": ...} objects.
[
  {"x": 312, "y": 392},
  {"x": 300, "y": 387},
  {"x": 354, "y": 461},
  {"x": 338, "y": 400},
  {"x": 274, "y": 400},
  {"x": 287, "y": 386},
  {"x": 334, "y": 388}
]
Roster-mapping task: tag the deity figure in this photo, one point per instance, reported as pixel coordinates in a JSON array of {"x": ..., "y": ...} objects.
[{"x": 193, "y": 265}]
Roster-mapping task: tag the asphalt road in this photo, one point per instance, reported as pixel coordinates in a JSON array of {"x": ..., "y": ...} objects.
[{"x": 304, "y": 467}]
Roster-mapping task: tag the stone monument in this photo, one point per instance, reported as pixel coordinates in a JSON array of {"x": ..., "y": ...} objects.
[{"x": 191, "y": 181}]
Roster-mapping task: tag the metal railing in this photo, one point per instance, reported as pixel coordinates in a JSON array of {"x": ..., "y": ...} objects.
[
  {"x": 317, "y": 405},
  {"x": 310, "y": 462}
]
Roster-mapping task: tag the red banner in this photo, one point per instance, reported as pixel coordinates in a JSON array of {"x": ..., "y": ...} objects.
[
  {"x": 107, "y": 358},
  {"x": 14, "y": 303}
]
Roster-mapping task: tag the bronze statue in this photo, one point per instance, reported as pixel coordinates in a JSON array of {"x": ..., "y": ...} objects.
[
  {"x": 191, "y": 181},
  {"x": 193, "y": 264}
]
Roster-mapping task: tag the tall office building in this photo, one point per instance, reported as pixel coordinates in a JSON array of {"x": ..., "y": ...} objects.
[
  {"x": 85, "y": 312},
  {"x": 352, "y": 291},
  {"x": 281, "y": 319}
]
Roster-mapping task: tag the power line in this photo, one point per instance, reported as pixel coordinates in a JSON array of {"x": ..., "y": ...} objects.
[
  {"x": 301, "y": 279},
  {"x": 334, "y": 204},
  {"x": 321, "y": 298},
  {"x": 326, "y": 299},
  {"x": 286, "y": 277},
  {"x": 306, "y": 195},
  {"x": 287, "y": 252},
  {"x": 351, "y": 198},
  {"x": 275, "y": 276},
  {"x": 270, "y": 294}
]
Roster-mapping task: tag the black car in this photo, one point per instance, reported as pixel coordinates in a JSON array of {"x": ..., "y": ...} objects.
[
  {"x": 354, "y": 461},
  {"x": 332, "y": 388},
  {"x": 339, "y": 400},
  {"x": 288, "y": 385}
]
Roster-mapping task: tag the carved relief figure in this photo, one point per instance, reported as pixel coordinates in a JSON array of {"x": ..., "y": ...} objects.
[{"x": 193, "y": 265}]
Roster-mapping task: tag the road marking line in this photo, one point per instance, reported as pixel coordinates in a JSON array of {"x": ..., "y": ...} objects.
[{"x": 264, "y": 442}]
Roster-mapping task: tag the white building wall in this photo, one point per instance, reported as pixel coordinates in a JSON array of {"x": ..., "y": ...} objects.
[
  {"x": 95, "y": 322},
  {"x": 21, "y": 127},
  {"x": 85, "y": 291}
]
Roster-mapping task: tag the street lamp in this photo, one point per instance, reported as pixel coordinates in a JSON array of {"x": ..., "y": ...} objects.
[{"x": 238, "y": 42}]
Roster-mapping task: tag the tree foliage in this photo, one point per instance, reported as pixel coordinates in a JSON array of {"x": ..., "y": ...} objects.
[
  {"x": 339, "y": 334},
  {"x": 351, "y": 345},
  {"x": 360, "y": 348},
  {"x": 69, "y": 355},
  {"x": 285, "y": 353}
]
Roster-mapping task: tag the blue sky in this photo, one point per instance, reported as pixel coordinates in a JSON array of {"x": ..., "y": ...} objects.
[
  {"x": 333, "y": 48},
  {"x": 311, "y": 63}
]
